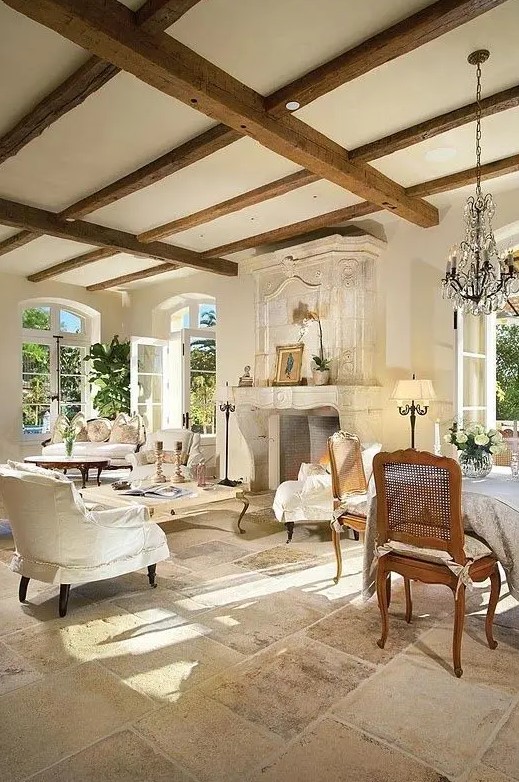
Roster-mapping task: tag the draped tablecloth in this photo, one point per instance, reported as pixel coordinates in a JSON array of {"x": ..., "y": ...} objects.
[{"x": 490, "y": 508}]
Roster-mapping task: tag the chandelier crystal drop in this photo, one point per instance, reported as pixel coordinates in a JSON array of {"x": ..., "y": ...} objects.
[{"x": 478, "y": 280}]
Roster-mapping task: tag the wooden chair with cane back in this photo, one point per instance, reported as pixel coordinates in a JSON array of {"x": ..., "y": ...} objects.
[
  {"x": 349, "y": 488},
  {"x": 420, "y": 536}
]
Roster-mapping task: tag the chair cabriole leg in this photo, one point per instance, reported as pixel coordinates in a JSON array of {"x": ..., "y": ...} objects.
[
  {"x": 64, "y": 591},
  {"x": 388, "y": 590},
  {"x": 22, "y": 589},
  {"x": 495, "y": 588},
  {"x": 152, "y": 572},
  {"x": 289, "y": 526},
  {"x": 382, "y": 602},
  {"x": 459, "y": 621},
  {"x": 408, "y": 601},
  {"x": 336, "y": 539}
]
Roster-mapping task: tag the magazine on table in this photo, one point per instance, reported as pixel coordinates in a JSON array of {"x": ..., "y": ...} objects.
[{"x": 160, "y": 490}]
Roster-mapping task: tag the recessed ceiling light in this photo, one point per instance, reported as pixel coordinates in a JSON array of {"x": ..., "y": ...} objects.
[
  {"x": 440, "y": 154},
  {"x": 292, "y": 105}
]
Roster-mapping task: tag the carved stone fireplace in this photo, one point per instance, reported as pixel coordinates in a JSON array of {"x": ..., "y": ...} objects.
[{"x": 335, "y": 277}]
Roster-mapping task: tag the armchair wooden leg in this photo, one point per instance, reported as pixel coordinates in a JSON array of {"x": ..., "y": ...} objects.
[
  {"x": 22, "y": 589},
  {"x": 382, "y": 601},
  {"x": 388, "y": 590},
  {"x": 152, "y": 572},
  {"x": 336, "y": 539},
  {"x": 408, "y": 601},
  {"x": 289, "y": 526},
  {"x": 459, "y": 621},
  {"x": 495, "y": 588},
  {"x": 64, "y": 591}
]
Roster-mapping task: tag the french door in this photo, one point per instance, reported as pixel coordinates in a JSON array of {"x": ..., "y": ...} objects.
[
  {"x": 475, "y": 375},
  {"x": 173, "y": 382}
]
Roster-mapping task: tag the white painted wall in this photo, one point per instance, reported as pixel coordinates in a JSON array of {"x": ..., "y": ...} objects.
[{"x": 14, "y": 290}]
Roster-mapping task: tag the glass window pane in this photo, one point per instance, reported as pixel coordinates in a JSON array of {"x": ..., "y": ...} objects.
[
  {"x": 71, "y": 360},
  {"x": 150, "y": 389},
  {"x": 70, "y": 410},
  {"x": 203, "y": 354},
  {"x": 151, "y": 416},
  {"x": 35, "y": 388},
  {"x": 180, "y": 320},
  {"x": 71, "y": 323},
  {"x": 149, "y": 359},
  {"x": 207, "y": 316},
  {"x": 71, "y": 388},
  {"x": 202, "y": 405},
  {"x": 36, "y": 318}
]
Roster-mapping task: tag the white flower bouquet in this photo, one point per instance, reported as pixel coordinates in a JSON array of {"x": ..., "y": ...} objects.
[{"x": 475, "y": 440}]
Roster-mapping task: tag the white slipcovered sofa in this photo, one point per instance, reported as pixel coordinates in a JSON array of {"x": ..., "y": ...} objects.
[
  {"x": 59, "y": 541},
  {"x": 143, "y": 462},
  {"x": 100, "y": 437},
  {"x": 310, "y": 498}
]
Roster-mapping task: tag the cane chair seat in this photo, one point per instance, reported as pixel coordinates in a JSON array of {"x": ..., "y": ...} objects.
[{"x": 420, "y": 536}]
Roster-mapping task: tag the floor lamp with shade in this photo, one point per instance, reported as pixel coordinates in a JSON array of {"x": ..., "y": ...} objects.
[
  {"x": 413, "y": 397},
  {"x": 224, "y": 401}
]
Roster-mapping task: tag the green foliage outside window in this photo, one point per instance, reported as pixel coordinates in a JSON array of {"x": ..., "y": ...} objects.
[{"x": 507, "y": 372}]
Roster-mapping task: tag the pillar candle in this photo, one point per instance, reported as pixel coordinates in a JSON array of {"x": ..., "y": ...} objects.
[
  {"x": 437, "y": 441},
  {"x": 159, "y": 445}
]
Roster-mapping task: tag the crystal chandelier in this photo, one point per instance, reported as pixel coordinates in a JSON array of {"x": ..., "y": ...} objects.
[{"x": 478, "y": 280}]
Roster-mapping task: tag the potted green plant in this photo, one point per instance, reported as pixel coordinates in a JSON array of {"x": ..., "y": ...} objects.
[
  {"x": 321, "y": 368},
  {"x": 110, "y": 374},
  {"x": 476, "y": 445}
]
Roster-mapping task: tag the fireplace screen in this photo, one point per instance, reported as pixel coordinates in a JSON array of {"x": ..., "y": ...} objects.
[{"x": 304, "y": 438}]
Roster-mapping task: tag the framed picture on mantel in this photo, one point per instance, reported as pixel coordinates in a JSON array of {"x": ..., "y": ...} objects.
[{"x": 289, "y": 363}]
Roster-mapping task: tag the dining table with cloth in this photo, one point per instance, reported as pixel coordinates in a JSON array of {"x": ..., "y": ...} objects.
[{"x": 490, "y": 510}]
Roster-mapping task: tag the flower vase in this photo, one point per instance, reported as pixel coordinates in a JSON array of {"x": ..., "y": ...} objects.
[
  {"x": 69, "y": 446},
  {"x": 321, "y": 377},
  {"x": 475, "y": 465}
]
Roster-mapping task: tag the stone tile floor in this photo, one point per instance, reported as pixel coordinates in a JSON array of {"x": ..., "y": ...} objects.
[{"x": 248, "y": 663}]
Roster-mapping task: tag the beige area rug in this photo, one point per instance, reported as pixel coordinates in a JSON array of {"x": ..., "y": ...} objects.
[{"x": 280, "y": 559}]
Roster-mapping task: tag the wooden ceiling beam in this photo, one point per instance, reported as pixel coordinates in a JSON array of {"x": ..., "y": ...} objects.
[
  {"x": 73, "y": 263},
  {"x": 203, "y": 145},
  {"x": 16, "y": 241},
  {"x": 177, "y": 71},
  {"x": 507, "y": 165},
  {"x": 92, "y": 75},
  {"x": 401, "y": 38},
  {"x": 22, "y": 216},
  {"x": 501, "y": 101},
  {"x": 155, "y": 16},
  {"x": 250, "y": 198},
  {"x": 328, "y": 220},
  {"x": 295, "y": 229},
  {"x": 142, "y": 275},
  {"x": 158, "y": 15}
]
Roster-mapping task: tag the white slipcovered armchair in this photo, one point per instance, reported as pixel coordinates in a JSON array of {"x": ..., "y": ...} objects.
[
  {"x": 59, "y": 541},
  {"x": 143, "y": 462}
]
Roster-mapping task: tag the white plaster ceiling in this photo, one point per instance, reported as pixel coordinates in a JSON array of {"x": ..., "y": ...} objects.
[{"x": 265, "y": 44}]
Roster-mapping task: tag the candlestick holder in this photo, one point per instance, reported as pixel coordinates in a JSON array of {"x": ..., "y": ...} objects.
[
  {"x": 178, "y": 477},
  {"x": 159, "y": 476}
]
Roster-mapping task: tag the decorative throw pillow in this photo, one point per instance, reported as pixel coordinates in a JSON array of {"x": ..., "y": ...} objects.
[
  {"x": 56, "y": 437},
  {"x": 79, "y": 421},
  {"x": 99, "y": 430},
  {"x": 125, "y": 429}
]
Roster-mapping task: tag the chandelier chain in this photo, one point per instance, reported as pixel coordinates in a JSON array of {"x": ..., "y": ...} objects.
[{"x": 478, "y": 130}]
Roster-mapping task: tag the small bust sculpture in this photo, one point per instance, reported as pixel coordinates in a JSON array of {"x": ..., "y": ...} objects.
[{"x": 246, "y": 379}]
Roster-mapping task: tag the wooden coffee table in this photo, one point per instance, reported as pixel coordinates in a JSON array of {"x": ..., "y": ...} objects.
[
  {"x": 83, "y": 464},
  {"x": 161, "y": 510}
]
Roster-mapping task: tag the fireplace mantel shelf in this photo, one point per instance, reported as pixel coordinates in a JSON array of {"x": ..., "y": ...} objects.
[{"x": 306, "y": 397}]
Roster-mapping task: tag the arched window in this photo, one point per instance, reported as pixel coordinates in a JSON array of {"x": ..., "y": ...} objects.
[{"x": 55, "y": 339}]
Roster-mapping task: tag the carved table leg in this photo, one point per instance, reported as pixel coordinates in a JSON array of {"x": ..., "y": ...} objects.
[
  {"x": 152, "y": 570},
  {"x": 83, "y": 469},
  {"x": 99, "y": 471},
  {"x": 246, "y": 503},
  {"x": 289, "y": 526}
]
